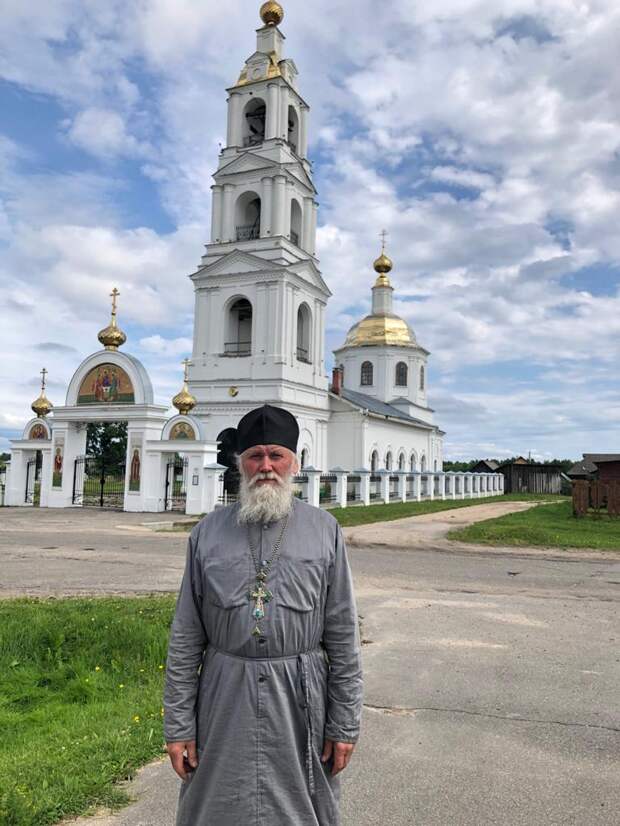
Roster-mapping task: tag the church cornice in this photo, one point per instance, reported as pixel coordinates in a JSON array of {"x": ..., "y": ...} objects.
[
  {"x": 239, "y": 89},
  {"x": 294, "y": 169}
]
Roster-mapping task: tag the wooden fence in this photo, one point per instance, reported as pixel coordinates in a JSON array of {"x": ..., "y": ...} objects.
[{"x": 596, "y": 496}]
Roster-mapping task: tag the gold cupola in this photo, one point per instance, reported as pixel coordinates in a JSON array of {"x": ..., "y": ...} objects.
[
  {"x": 112, "y": 337},
  {"x": 272, "y": 13},
  {"x": 382, "y": 326},
  {"x": 184, "y": 401},
  {"x": 42, "y": 405}
]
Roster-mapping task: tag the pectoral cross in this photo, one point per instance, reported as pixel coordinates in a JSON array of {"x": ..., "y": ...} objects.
[{"x": 261, "y": 597}]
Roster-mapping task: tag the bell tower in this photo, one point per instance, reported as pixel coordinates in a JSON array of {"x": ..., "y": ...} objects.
[{"x": 260, "y": 299}]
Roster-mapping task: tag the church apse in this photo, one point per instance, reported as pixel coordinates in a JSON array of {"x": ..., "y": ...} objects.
[{"x": 106, "y": 384}]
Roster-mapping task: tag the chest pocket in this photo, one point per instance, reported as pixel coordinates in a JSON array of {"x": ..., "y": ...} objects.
[
  {"x": 227, "y": 582},
  {"x": 300, "y": 583}
]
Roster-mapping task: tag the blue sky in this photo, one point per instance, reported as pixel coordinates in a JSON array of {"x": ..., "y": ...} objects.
[{"x": 484, "y": 135}]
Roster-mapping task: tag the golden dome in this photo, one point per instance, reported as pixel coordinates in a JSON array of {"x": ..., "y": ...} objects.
[
  {"x": 272, "y": 13},
  {"x": 383, "y": 264},
  {"x": 184, "y": 401},
  {"x": 112, "y": 337},
  {"x": 42, "y": 405},
  {"x": 381, "y": 329}
]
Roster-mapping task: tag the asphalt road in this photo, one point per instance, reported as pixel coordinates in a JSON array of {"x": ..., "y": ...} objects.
[{"x": 491, "y": 680}]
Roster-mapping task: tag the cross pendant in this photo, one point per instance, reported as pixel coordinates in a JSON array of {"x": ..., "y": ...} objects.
[{"x": 261, "y": 597}]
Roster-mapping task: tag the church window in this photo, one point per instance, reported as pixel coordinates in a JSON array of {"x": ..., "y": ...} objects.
[
  {"x": 239, "y": 337},
  {"x": 304, "y": 324},
  {"x": 293, "y": 128},
  {"x": 247, "y": 216},
  {"x": 435, "y": 465},
  {"x": 422, "y": 378},
  {"x": 401, "y": 461},
  {"x": 254, "y": 122},
  {"x": 374, "y": 461},
  {"x": 366, "y": 378},
  {"x": 304, "y": 458},
  {"x": 401, "y": 374},
  {"x": 341, "y": 368},
  {"x": 295, "y": 235},
  {"x": 412, "y": 462},
  {"x": 388, "y": 460},
  {"x": 423, "y": 463}
]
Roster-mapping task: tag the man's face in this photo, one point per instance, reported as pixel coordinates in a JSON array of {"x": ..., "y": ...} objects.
[{"x": 268, "y": 464}]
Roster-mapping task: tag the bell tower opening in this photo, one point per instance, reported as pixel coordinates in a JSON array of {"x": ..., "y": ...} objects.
[
  {"x": 247, "y": 216},
  {"x": 293, "y": 129},
  {"x": 239, "y": 338},
  {"x": 295, "y": 222},
  {"x": 254, "y": 119}
]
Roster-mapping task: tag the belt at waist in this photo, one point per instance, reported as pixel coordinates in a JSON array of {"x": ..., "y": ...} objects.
[
  {"x": 304, "y": 690},
  {"x": 265, "y": 659}
]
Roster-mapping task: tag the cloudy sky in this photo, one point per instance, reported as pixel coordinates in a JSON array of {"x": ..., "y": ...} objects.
[{"x": 484, "y": 135}]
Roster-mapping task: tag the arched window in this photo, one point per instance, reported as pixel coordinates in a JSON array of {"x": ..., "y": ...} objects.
[
  {"x": 366, "y": 378},
  {"x": 374, "y": 461},
  {"x": 422, "y": 378},
  {"x": 295, "y": 235},
  {"x": 304, "y": 458},
  {"x": 435, "y": 466},
  {"x": 388, "y": 460},
  {"x": 423, "y": 463},
  {"x": 401, "y": 461},
  {"x": 412, "y": 462},
  {"x": 247, "y": 216},
  {"x": 293, "y": 128},
  {"x": 304, "y": 325},
  {"x": 239, "y": 331},
  {"x": 254, "y": 122},
  {"x": 401, "y": 374}
]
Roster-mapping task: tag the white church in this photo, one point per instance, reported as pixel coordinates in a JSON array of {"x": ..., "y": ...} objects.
[{"x": 259, "y": 336}]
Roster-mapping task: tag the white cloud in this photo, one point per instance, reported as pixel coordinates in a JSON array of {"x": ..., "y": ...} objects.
[{"x": 102, "y": 132}]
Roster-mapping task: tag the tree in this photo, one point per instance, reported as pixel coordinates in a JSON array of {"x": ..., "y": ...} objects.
[{"x": 107, "y": 442}]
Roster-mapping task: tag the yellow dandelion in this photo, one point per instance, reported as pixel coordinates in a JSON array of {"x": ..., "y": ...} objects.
[
  {"x": 121, "y": 685},
  {"x": 161, "y": 668},
  {"x": 97, "y": 668},
  {"x": 136, "y": 719}
]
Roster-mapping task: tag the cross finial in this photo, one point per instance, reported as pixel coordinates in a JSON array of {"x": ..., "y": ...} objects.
[
  {"x": 114, "y": 295},
  {"x": 186, "y": 363},
  {"x": 43, "y": 380},
  {"x": 383, "y": 235}
]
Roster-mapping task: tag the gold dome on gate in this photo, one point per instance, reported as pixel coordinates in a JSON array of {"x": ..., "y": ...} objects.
[
  {"x": 42, "y": 405},
  {"x": 272, "y": 13},
  {"x": 112, "y": 337},
  {"x": 184, "y": 401}
]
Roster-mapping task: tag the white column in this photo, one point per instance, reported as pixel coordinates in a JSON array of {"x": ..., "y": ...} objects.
[
  {"x": 279, "y": 205},
  {"x": 303, "y": 133},
  {"x": 228, "y": 221},
  {"x": 314, "y": 486},
  {"x": 287, "y": 208},
  {"x": 430, "y": 485},
  {"x": 385, "y": 485},
  {"x": 417, "y": 486},
  {"x": 283, "y": 112},
  {"x": 212, "y": 487},
  {"x": 216, "y": 213},
  {"x": 364, "y": 486},
  {"x": 315, "y": 210},
  {"x": 341, "y": 487},
  {"x": 306, "y": 233},
  {"x": 266, "y": 207},
  {"x": 442, "y": 486},
  {"x": 273, "y": 112},
  {"x": 402, "y": 485},
  {"x": 234, "y": 120}
]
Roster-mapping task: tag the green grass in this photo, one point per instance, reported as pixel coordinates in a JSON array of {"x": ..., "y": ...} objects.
[
  {"x": 80, "y": 702},
  {"x": 399, "y": 510},
  {"x": 552, "y": 526}
]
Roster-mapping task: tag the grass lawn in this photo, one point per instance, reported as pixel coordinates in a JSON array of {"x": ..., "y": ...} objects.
[
  {"x": 399, "y": 510},
  {"x": 80, "y": 701},
  {"x": 551, "y": 526}
]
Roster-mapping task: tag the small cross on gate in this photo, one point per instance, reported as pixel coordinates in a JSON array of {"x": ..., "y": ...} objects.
[
  {"x": 186, "y": 363},
  {"x": 114, "y": 295},
  {"x": 43, "y": 381}
]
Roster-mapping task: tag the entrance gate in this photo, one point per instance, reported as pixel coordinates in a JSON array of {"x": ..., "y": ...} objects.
[
  {"x": 31, "y": 475},
  {"x": 97, "y": 483},
  {"x": 175, "y": 493}
]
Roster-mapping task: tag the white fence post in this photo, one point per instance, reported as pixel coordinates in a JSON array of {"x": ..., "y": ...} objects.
[
  {"x": 341, "y": 486},
  {"x": 364, "y": 485},
  {"x": 442, "y": 485},
  {"x": 385, "y": 485},
  {"x": 213, "y": 486},
  {"x": 402, "y": 485},
  {"x": 314, "y": 486}
]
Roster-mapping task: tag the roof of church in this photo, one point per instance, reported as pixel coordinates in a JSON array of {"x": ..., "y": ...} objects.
[{"x": 381, "y": 408}]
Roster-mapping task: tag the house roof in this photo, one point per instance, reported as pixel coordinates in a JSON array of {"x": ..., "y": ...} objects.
[
  {"x": 381, "y": 408},
  {"x": 490, "y": 463},
  {"x": 589, "y": 463},
  {"x": 597, "y": 458},
  {"x": 581, "y": 468}
]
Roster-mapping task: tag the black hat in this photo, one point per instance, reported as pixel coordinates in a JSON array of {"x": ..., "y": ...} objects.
[{"x": 267, "y": 425}]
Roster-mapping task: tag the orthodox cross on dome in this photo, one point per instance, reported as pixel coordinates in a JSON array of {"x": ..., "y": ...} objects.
[
  {"x": 114, "y": 295},
  {"x": 184, "y": 401},
  {"x": 186, "y": 363},
  {"x": 42, "y": 405},
  {"x": 383, "y": 235},
  {"x": 43, "y": 379}
]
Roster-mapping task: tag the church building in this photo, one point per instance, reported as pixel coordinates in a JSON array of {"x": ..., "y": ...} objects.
[
  {"x": 260, "y": 297},
  {"x": 259, "y": 337}
]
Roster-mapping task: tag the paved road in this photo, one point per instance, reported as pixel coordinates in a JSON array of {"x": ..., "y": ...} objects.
[{"x": 491, "y": 679}]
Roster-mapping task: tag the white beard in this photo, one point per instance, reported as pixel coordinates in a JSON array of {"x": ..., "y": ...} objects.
[{"x": 264, "y": 503}]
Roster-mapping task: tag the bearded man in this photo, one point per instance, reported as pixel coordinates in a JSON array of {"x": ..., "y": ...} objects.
[{"x": 263, "y": 682}]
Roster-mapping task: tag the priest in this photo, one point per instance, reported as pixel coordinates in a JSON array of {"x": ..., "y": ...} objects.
[{"x": 263, "y": 688}]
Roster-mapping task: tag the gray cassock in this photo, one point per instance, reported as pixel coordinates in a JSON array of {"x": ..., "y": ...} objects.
[{"x": 260, "y": 707}]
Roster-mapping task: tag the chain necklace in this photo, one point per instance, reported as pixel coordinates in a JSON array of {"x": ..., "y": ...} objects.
[{"x": 259, "y": 594}]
